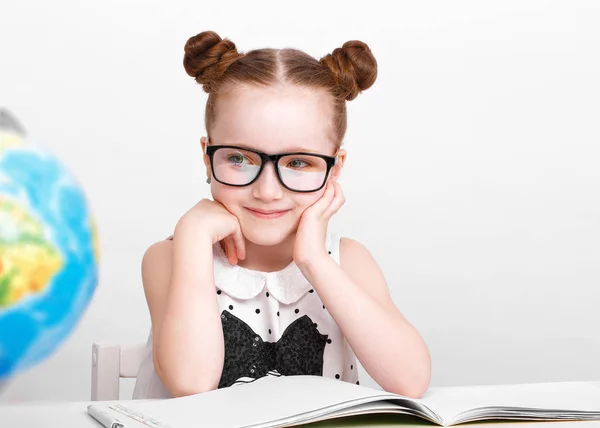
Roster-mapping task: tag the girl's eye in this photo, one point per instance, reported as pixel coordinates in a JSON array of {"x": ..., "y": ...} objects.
[
  {"x": 298, "y": 163},
  {"x": 236, "y": 158}
]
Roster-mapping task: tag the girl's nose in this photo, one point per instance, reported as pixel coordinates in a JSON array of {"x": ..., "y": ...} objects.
[{"x": 267, "y": 186}]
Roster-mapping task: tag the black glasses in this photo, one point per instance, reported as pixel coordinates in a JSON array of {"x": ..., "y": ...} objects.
[{"x": 297, "y": 171}]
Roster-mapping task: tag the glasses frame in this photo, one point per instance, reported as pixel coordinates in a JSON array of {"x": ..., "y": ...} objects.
[{"x": 330, "y": 160}]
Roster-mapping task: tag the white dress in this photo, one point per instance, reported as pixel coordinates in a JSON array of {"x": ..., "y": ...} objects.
[{"x": 274, "y": 324}]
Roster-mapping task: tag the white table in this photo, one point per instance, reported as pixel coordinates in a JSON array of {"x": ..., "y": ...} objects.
[{"x": 74, "y": 415}]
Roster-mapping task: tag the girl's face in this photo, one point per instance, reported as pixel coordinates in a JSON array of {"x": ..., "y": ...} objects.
[{"x": 274, "y": 119}]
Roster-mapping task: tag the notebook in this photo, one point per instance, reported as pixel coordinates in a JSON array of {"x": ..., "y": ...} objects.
[{"x": 297, "y": 400}]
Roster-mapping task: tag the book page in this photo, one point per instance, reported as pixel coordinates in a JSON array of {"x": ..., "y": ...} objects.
[
  {"x": 285, "y": 399},
  {"x": 449, "y": 402}
]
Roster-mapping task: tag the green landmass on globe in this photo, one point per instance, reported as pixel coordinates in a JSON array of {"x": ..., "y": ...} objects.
[
  {"x": 48, "y": 251},
  {"x": 27, "y": 259}
]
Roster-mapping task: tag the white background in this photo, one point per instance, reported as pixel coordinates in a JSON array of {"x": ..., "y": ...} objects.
[{"x": 472, "y": 172}]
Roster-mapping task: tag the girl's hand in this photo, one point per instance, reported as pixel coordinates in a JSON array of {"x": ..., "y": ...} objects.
[
  {"x": 212, "y": 218},
  {"x": 312, "y": 230}
]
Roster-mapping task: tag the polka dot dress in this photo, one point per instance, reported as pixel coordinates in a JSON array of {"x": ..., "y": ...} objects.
[{"x": 274, "y": 324}]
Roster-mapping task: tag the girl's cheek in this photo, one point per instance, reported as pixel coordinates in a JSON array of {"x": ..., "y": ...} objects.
[{"x": 306, "y": 200}]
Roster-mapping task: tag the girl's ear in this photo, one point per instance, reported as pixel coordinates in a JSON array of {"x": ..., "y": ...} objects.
[
  {"x": 205, "y": 158},
  {"x": 203, "y": 143},
  {"x": 336, "y": 171}
]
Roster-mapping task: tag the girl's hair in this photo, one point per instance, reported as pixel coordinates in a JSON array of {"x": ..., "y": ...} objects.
[{"x": 216, "y": 64}]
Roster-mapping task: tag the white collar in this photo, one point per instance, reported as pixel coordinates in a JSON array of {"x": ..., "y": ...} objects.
[{"x": 287, "y": 285}]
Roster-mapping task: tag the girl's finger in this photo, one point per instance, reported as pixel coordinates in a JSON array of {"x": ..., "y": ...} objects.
[
  {"x": 326, "y": 198},
  {"x": 240, "y": 244},
  {"x": 337, "y": 201},
  {"x": 227, "y": 246},
  {"x": 231, "y": 252}
]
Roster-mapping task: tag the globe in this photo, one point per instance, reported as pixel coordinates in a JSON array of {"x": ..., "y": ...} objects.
[{"x": 48, "y": 252}]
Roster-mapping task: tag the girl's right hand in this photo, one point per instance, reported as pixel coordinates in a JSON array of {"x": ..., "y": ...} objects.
[{"x": 221, "y": 225}]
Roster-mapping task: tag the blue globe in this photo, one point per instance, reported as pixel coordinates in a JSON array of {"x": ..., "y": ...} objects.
[{"x": 48, "y": 252}]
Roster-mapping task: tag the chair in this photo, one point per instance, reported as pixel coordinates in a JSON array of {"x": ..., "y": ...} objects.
[{"x": 110, "y": 363}]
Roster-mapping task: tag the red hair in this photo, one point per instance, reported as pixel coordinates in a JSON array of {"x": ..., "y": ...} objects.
[{"x": 216, "y": 64}]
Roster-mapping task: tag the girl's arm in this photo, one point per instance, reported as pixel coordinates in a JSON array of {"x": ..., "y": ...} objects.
[
  {"x": 188, "y": 348},
  {"x": 356, "y": 295}
]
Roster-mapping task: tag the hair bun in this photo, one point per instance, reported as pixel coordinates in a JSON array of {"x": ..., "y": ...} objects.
[
  {"x": 207, "y": 57},
  {"x": 353, "y": 66}
]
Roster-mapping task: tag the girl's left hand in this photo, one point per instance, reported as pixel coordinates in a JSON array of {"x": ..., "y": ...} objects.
[{"x": 312, "y": 229}]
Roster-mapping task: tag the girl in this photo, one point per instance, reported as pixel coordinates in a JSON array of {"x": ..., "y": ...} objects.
[{"x": 251, "y": 283}]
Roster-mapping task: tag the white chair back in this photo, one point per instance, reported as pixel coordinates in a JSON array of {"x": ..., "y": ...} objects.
[{"x": 110, "y": 363}]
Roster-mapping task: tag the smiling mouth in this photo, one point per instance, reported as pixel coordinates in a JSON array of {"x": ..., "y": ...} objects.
[{"x": 267, "y": 214}]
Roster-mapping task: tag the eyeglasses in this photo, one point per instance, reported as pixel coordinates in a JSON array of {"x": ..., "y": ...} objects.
[{"x": 297, "y": 171}]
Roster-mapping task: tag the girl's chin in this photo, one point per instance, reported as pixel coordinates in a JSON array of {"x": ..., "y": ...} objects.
[{"x": 266, "y": 235}]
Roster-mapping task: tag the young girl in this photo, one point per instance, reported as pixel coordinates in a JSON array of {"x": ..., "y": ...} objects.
[{"x": 251, "y": 284}]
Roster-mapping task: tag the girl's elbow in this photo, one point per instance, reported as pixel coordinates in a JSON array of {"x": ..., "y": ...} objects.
[
  {"x": 422, "y": 376},
  {"x": 413, "y": 386},
  {"x": 414, "y": 389},
  {"x": 180, "y": 383},
  {"x": 183, "y": 390},
  {"x": 418, "y": 388}
]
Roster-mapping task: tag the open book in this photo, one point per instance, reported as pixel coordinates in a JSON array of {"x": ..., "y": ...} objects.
[{"x": 297, "y": 400}]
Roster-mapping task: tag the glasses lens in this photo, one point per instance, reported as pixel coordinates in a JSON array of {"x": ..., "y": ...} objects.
[
  {"x": 298, "y": 172},
  {"x": 303, "y": 172},
  {"x": 235, "y": 166}
]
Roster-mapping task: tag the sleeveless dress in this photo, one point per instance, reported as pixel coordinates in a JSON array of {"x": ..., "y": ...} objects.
[{"x": 274, "y": 324}]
